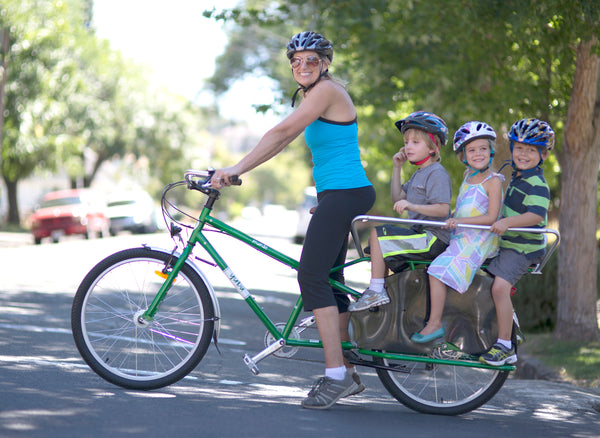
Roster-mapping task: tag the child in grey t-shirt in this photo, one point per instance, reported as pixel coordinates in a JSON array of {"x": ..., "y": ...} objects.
[{"x": 425, "y": 196}]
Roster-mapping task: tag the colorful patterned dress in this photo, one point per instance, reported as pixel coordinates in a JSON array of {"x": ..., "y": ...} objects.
[{"x": 468, "y": 247}]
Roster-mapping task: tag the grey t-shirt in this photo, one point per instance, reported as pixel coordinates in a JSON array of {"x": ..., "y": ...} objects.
[{"x": 430, "y": 185}]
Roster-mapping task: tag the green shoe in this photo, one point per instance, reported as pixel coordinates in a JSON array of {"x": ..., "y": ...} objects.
[{"x": 499, "y": 355}]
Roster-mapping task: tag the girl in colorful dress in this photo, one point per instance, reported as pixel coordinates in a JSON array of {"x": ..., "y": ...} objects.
[{"x": 478, "y": 203}]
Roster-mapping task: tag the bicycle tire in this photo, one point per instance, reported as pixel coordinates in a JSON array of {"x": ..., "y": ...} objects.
[
  {"x": 121, "y": 350},
  {"x": 440, "y": 389}
]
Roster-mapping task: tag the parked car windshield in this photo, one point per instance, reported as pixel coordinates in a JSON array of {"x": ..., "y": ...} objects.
[
  {"x": 58, "y": 202},
  {"x": 124, "y": 202}
]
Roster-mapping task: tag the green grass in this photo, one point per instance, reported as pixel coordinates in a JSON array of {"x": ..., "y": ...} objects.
[
  {"x": 575, "y": 362},
  {"x": 11, "y": 228}
]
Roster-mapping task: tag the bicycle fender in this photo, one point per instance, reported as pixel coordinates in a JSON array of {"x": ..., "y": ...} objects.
[{"x": 211, "y": 291}]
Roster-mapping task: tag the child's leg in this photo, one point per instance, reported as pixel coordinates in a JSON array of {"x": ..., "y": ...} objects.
[
  {"x": 504, "y": 308},
  {"x": 437, "y": 291},
  {"x": 378, "y": 268},
  {"x": 375, "y": 294}
]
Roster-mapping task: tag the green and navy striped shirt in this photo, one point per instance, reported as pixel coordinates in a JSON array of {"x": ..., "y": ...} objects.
[{"x": 527, "y": 194}]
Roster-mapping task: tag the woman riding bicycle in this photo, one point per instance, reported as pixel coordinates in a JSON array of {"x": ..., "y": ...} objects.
[{"x": 328, "y": 119}]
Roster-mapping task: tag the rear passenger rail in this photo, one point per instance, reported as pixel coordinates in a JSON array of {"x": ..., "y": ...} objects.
[{"x": 378, "y": 220}]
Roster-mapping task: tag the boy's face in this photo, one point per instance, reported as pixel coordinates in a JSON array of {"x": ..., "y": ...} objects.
[
  {"x": 417, "y": 145},
  {"x": 526, "y": 156}
]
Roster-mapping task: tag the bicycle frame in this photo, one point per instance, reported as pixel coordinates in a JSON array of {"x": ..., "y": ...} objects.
[{"x": 282, "y": 337}]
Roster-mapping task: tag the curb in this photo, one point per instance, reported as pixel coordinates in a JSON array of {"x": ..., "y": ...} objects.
[{"x": 529, "y": 368}]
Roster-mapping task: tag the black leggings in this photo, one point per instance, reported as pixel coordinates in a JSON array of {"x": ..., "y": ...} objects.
[{"x": 326, "y": 244}]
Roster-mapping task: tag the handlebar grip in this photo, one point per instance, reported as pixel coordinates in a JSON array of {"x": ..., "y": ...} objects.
[{"x": 235, "y": 180}]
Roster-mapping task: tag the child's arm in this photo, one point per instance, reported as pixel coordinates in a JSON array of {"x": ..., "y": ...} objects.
[
  {"x": 432, "y": 210},
  {"x": 520, "y": 221},
  {"x": 493, "y": 188},
  {"x": 398, "y": 159}
]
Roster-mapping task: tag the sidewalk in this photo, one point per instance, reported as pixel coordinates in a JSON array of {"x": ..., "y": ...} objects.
[{"x": 8, "y": 240}]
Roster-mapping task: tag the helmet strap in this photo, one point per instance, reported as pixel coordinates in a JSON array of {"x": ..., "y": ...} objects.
[
  {"x": 418, "y": 163},
  {"x": 431, "y": 154},
  {"x": 512, "y": 163},
  {"x": 305, "y": 89},
  {"x": 475, "y": 171}
]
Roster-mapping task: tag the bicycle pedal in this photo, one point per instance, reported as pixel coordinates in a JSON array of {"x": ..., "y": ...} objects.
[{"x": 251, "y": 365}]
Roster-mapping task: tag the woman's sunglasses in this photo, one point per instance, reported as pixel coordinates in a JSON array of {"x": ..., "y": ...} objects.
[{"x": 310, "y": 61}]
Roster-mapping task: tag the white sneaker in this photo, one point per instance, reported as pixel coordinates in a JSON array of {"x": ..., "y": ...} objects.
[{"x": 369, "y": 299}]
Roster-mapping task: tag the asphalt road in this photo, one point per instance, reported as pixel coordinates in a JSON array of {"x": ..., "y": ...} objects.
[{"x": 46, "y": 390}]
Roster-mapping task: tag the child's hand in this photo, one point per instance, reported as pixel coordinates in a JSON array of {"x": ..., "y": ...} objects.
[
  {"x": 399, "y": 158},
  {"x": 402, "y": 205},
  {"x": 499, "y": 227},
  {"x": 451, "y": 223}
]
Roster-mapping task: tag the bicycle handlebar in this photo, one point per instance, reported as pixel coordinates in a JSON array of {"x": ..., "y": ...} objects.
[{"x": 196, "y": 179}]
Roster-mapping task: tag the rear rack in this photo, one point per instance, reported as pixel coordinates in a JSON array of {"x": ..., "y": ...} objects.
[{"x": 362, "y": 219}]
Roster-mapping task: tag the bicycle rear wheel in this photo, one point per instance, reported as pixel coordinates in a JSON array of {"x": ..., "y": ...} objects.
[
  {"x": 126, "y": 351},
  {"x": 440, "y": 389}
]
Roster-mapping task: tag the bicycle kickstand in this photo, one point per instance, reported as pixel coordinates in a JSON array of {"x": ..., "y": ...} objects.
[{"x": 252, "y": 361}]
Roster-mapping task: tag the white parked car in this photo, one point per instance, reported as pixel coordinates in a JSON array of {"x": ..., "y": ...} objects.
[{"x": 132, "y": 211}]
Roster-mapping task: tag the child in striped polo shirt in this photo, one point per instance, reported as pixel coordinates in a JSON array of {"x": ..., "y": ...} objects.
[{"x": 525, "y": 205}]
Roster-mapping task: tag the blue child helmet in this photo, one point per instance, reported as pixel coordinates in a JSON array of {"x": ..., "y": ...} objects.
[
  {"x": 427, "y": 122},
  {"x": 533, "y": 132}
]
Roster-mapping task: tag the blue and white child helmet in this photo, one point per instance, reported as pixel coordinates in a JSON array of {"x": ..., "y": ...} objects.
[
  {"x": 532, "y": 132},
  {"x": 427, "y": 122},
  {"x": 471, "y": 131}
]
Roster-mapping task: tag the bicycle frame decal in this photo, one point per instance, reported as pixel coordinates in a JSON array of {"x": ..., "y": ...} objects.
[{"x": 236, "y": 283}]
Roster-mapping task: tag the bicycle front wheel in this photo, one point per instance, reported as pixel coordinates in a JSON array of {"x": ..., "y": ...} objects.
[
  {"x": 127, "y": 351},
  {"x": 440, "y": 389}
]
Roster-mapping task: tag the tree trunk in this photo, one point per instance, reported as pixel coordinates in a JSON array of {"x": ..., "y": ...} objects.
[
  {"x": 580, "y": 160},
  {"x": 13, "y": 204}
]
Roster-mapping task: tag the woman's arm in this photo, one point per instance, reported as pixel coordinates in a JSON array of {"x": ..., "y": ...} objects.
[{"x": 277, "y": 138}]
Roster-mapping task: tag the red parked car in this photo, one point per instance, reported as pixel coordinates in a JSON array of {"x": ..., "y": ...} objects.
[{"x": 68, "y": 212}]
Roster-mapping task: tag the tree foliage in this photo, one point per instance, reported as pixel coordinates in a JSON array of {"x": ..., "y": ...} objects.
[
  {"x": 491, "y": 60},
  {"x": 73, "y": 103}
]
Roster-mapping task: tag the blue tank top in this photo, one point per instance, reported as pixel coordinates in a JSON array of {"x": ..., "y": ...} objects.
[{"x": 335, "y": 155}]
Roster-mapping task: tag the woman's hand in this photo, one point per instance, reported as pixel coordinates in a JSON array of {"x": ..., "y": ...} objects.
[{"x": 222, "y": 177}]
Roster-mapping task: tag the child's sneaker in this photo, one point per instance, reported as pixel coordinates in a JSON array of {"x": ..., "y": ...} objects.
[
  {"x": 369, "y": 299},
  {"x": 499, "y": 355},
  {"x": 326, "y": 391}
]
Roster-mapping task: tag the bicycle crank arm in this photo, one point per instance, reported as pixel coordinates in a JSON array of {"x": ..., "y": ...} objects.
[
  {"x": 252, "y": 361},
  {"x": 354, "y": 359}
]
